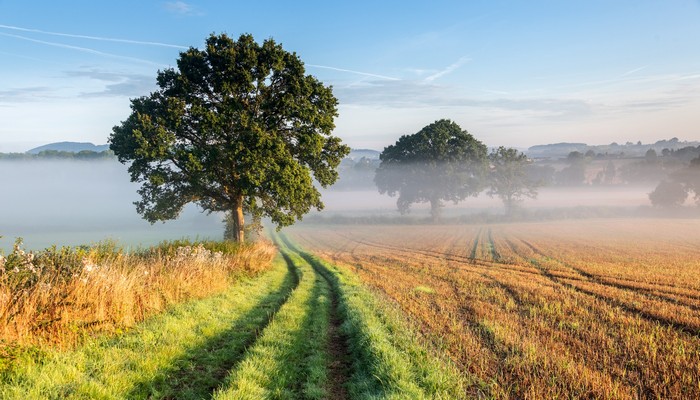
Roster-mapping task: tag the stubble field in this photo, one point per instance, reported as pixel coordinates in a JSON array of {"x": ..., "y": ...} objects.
[{"x": 575, "y": 309}]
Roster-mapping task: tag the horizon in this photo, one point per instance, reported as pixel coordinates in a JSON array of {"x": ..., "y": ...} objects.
[
  {"x": 380, "y": 150},
  {"x": 511, "y": 74}
]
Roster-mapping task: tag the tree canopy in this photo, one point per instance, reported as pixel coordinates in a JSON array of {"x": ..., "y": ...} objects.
[
  {"x": 509, "y": 179},
  {"x": 236, "y": 127},
  {"x": 439, "y": 163}
]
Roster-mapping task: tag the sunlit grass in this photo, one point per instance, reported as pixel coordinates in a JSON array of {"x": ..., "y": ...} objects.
[
  {"x": 57, "y": 297},
  {"x": 184, "y": 353}
]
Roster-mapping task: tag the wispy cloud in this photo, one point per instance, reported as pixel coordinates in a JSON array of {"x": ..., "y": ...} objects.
[
  {"x": 25, "y": 94},
  {"x": 118, "y": 84},
  {"x": 181, "y": 8},
  {"x": 353, "y": 72},
  {"x": 635, "y": 70},
  {"x": 82, "y": 49},
  {"x": 450, "y": 68},
  {"x": 100, "y": 38}
]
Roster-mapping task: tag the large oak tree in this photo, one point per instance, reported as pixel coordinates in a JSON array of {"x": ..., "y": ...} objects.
[
  {"x": 236, "y": 127},
  {"x": 439, "y": 163}
]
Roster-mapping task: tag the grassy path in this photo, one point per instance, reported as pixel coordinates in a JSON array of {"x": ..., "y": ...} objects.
[{"x": 304, "y": 330}]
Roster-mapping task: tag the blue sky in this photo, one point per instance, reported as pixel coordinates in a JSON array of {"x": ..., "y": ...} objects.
[{"x": 512, "y": 73}]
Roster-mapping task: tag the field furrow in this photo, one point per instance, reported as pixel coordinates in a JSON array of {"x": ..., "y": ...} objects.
[{"x": 528, "y": 313}]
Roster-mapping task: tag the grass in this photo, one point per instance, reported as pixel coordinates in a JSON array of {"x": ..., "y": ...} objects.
[
  {"x": 289, "y": 360},
  {"x": 602, "y": 309},
  {"x": 184, "y": 353},
  {"x": 304, "y": 329},
  {"x": 388, "y": 360},
  {"x": 57, "y": 297}
]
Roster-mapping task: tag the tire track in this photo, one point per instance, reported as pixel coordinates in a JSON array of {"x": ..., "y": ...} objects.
[{"x": 339, "y": 367}]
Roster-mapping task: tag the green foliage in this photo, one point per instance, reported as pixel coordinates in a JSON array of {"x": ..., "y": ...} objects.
[
  {"x": 440, "y": 163},
  {"x": 509, "y": 179},
  {"x": 237, "y": 125}
]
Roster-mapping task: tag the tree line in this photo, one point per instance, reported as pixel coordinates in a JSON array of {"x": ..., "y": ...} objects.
[{"x": 87, "y": 155}]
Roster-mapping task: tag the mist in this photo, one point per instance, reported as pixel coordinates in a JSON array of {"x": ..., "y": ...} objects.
[
  {"x": 68, "y": 203},
  {"x": 566, "y": 190}
]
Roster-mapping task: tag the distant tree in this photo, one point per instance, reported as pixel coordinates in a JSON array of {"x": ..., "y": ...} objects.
[
  {"x": 609, "y": 172},
  {"x": 575, "y": 172},
  {"x": 238, "y": 127},
  {"x": 590, "y": 154},
  {"x": 508, "y": 178},
  {"x": 651, "y": 157},
  {"x": 668, "y": 194},
  {"x": 439, "y": 163},
  {"x": 689, "y": 178}
]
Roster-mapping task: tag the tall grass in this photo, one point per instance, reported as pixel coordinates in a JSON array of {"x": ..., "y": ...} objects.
[{"x": 59, "y": 295}]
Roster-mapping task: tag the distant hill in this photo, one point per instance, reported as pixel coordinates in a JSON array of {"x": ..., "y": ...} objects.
[
  {"x": 555, "y": 149},
  {"x": 72, "y": 147},
  {"x": 629, "y": 149},
  {"x": 356, "y": 154}
]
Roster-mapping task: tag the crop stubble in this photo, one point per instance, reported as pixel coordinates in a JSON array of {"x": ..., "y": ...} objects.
[{"x": 600, "y": 308}]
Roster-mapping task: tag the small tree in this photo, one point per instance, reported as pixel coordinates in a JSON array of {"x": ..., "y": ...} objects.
[
  {"x": 238, "y": 127},
  {"x": 509, "y": 179},
  {"x": 439, "y": 163},
  {"x": 668, "y": 194}
]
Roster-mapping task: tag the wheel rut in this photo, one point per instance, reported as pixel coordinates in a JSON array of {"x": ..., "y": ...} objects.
[{"x": 339, "y": 366}]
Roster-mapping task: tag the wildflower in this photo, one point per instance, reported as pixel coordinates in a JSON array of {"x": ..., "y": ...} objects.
[{"x": 88, "y": 266}]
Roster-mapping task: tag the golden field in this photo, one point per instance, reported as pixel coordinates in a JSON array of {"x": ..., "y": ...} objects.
[{"x": 606, "y": 308}]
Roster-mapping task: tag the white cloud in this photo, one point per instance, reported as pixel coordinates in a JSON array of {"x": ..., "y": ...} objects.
[{"x": 181, "y": 8}]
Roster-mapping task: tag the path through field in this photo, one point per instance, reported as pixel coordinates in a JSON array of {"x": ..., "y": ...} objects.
[{"x": 303, "y": 330}]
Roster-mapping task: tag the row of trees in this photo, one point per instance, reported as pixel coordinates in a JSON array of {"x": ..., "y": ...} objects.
[
  {"x": 87, "y": 155},
  {"x": 442, "y": 162}
]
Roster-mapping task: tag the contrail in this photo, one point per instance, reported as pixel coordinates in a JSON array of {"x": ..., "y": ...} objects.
[
  {"x": 104, "y": 39},
  {"x": 447, "y": 70},
  {"x": 78, "y": 48},
  {"x": 630, "y": 72},
  {"x": 139, "y": 42},
  {"x": 353, "y": 72}
]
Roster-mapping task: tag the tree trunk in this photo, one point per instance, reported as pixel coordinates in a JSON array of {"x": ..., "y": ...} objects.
[
  {"x": 435, "y": 209},
  {"x": 238, "y": 221},
  {"x": 508, "y": 202}
]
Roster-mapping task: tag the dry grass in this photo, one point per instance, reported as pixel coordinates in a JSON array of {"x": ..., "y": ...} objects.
[
  {"x": 593, "y": 309},
  {"x": 58, "y": 296}
]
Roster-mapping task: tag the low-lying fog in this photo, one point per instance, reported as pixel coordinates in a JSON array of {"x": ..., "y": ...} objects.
[
  {"x": 66, "y": 202},
  {"x": 340, "y": 202}
]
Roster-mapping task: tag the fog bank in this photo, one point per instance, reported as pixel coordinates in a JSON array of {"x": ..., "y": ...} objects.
[{"x": 66, "y": 202}]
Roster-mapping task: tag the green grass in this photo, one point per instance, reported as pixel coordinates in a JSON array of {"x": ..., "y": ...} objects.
[
  {"x": 389, "y": 360},
  {"x": 184, "y": 353},
  {"x": 265, "y": 338},
  {"x": 289, "y": 360}
]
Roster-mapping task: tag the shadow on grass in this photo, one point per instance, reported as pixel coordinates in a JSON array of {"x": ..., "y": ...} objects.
[{"x": 204, "y": 368}]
